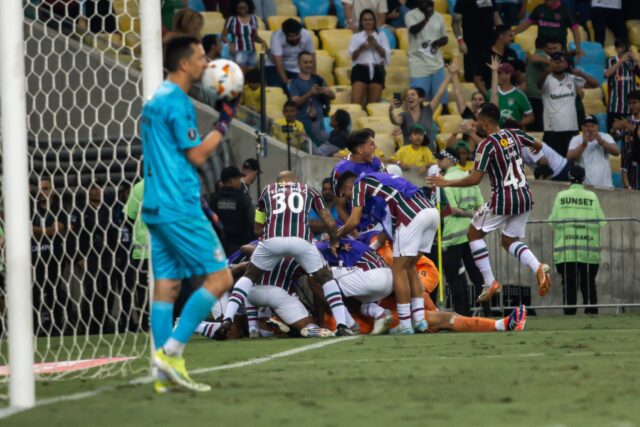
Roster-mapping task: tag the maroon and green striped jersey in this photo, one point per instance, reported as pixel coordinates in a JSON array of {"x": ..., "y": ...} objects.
[
  {"x": 370, "y": 260},
  {"x": 403, "y": 209},
  {"x": 285, "y": 275},
  {"x": 286, "y": 206},
  {"x": 500, "y": 155},
  {"x": 620, "y": 84}
]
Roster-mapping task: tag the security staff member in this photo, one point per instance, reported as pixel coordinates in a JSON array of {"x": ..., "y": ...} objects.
[
  {"x": 235, "y": 210},
  {"x": 577, "y": 244},
  {"x": 463, "y": 201}
]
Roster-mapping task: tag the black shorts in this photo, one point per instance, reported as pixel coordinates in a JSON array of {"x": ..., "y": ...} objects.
[{"x": 360, "y": 73}]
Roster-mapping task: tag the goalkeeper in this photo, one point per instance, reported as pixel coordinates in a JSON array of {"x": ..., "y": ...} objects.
[{"x": 183, "y": 243}]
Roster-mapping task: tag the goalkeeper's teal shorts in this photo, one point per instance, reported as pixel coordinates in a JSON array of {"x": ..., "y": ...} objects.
[{"x": 184, "y": 249}]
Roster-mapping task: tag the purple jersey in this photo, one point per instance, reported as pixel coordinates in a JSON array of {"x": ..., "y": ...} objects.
[
  {"x": 359, "y": 255},
  {"x": 359, "y": 169}
]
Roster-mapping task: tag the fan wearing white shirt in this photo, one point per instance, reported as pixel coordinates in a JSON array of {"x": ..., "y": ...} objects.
[
  {"x": 370, "y": 53},
  {"x": 547, "y": 158},
  {"x": 592, "y": 150}
]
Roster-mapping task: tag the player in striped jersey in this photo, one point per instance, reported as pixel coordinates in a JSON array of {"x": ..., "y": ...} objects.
[
  {"x": 621, "y": 71},
  {"x": 629, "y": 132},
  {"x": 414, "y": 222},
  {"x": 283, "y": 209},
  {"x": 499, "y": 155}
]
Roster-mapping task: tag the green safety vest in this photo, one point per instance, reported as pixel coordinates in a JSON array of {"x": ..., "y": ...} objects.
[
  {"x": 140, "y": 232},
  {"x": 466, "y": 198},
  {"x": 576, "y": 241}
]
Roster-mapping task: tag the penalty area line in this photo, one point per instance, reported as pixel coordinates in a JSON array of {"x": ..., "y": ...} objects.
[{"x": 7, "y": 412}]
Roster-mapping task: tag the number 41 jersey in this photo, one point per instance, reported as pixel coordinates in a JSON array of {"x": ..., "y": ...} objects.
[
  {"x": 286, "y": 206},
  {"x": 500, "y": 155}
]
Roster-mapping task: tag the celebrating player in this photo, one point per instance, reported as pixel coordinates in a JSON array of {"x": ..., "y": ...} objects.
[
  {"x": 182, "y": 240},
  {"x": 414, "y": 221},
  {"x": 499, "y": 155}
]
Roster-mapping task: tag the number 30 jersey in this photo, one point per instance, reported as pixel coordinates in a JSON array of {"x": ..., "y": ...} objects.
[
  {"x": 286, "y": 207},
  {"x": 500, "y": 155}
]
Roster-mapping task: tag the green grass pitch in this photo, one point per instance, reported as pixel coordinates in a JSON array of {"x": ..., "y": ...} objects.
[{"x": 582, "y": 371}]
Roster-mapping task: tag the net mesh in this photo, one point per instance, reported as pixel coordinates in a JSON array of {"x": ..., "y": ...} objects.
[{"x": 83, "y": 103}]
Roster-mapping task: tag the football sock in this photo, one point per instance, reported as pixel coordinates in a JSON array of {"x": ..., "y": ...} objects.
[
  {"x": 473, "y": 324},
  {"x": 252, "y": 316},
  {"x": 404, "y": 315},
  {"x": 194, "y": 311},
  {"x": 238, "y": 295},
  {"x": 349, "y": 319},
  {"x": 334, "y": 298},
  {"x": 501, "y": 325},
  {"x": 481, "y": 257},
  {"x": 371, "y": 310},
  {"x": 161, "y": 322},
  {"x": 417, "y": 309},
  {"x": 207, "y": 329},
  {"x": 524, "y": 255}
]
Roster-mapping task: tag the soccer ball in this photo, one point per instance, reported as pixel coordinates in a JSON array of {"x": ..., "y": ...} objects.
[{"x": 224, "y": 78}]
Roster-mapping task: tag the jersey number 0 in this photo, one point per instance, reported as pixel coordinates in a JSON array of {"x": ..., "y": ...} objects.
[{"x": 294, "y": 202}]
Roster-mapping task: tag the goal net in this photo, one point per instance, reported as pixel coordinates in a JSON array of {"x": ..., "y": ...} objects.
[{"x": 84, "y": 96}]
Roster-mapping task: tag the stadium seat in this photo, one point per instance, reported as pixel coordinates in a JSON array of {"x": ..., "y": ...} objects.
[
  {"x": 468, "y": 89},
  {"x": 208, "y": 15},
  {"x": 317, "y": 23},
  {"x": 450, "y": 50},
  {"x": 397, "y": 76},
  {"x": 389, "y": 90},
  {"x": 594, "y": 94},
  {"x": 275, "y": 21},
  {"x": 354, "y": 110},
  {"x": 584, "y": 36},
  {"x": 335, "y": 40},
  {"x": 343, "y": 75},
  {"x": 343, "y": 94},
  {"x": 527, "y": 39},
  {"x": 274, "y": 111},
  {"x": 286, "y": 9},
  {"x": 391, "y": 38},
  {"x": 312, "y": 8},
  {"x": 403, "y": 39},
  {"x": 275, "y": 97},
  {"x": 606, "y": 92},
  {"x": 378, "y": 124},
  {"x": 448, "y": 19},
  {"x": 213, "y": 24},
  {"x": 399, "y": 58},
  {"x": 380, "y": 109},
  {"x": 595, "y": 107},
  {"x": 343, "y": 59},
  {"x": 441, "y": 6},
  {"x": 324, "y": 68},
  {"x": 386, "y": 143},
  {"x": 615, "y": 163},
  {"x": 597, "y": 72},
  {"x": 452, "y": 106},
  {"x": 315, "y": 40},
  {"x": 442, "y": 139},
  {"x": 602, "y": 121},
  {"x": 633, "y": 27},
  {"x": 595, "y": 54},
  {"x": 449, "y": 123}
]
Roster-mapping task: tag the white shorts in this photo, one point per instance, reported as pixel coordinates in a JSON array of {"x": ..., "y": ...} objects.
[
  {"x": 511, "y": 225},
  {"x": 418, "y": 235},
  {"x": 270, "y": 252},
  {"x": 220, "y": 306},
  {"x": 288, "y": 307},
  {"x": 365, "y": 286}
]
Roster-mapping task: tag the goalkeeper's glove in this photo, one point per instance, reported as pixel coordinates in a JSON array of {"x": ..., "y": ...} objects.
[{"x": 226, "y": 109}]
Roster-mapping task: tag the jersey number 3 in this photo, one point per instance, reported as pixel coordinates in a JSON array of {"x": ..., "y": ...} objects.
[
  {"x": 294, "y": 202},
  {"x": 511, "y": 180}
]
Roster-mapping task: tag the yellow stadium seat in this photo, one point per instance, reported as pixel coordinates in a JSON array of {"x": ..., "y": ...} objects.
[
  {"x": 615, "y": 163},
  {"x": 213, "y": 24},
  {"x": 211, "y": 15},
  {"x": 283, "y": 1},
  {"x": 442, "y": 139},
  {"x": 315, "y": 40},
  {"x": 527, "y": 39},
  {"x": 453, "y": 107},
  {"x": 584, "y": 36},
  {"x": 389, "y": 90},
  {"x": 532, "y": 4},
  {"x": 437, "y": 113},
  {"x": 274, "y": 111},
  {"x": 324, "y": 67},
  {"x": 378, "y": 124},
  {"x": 449, "y": 123},
  {"x": 633, "y": 26},
  {"x": 261, "y": 24},
  {"x": 286, "y": 9},
  {"x": 441, "y": 6},
  {"x": 403, "y": 38},
  {"x": 266, "y": 36},
  {"x": 386, "y": 143},
  {"x": 343, "y": 59},
  {"x": 348, "y": 107},
  {"x": 335, "y": 40},
  {"x": 448, "y": 19},
  {"x": 451, "y": 48},
  {"x": 343, "y": 94},
  {"x": 468, "y": 89},
  {"x": 593, "y": 95},
  {"x": 595, "y": 107},
  {"x": 399, "y": 58},
  {"x": 343, "y": 75},
  {"x": 606, "y": 92},
  {"x": 397, "y": 76},
  {"x": 275, "y": 21},
  {"x": 317, "y": 23},
  {"x": 275, "y": 97},
  {"x": 380, "y": 109}
]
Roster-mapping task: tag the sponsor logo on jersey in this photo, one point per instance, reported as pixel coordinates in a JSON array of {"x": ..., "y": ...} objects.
[{"x": 192, "y": 134}]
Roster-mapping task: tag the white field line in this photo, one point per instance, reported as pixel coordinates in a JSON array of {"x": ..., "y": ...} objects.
[{"x": 7, "y": 412}]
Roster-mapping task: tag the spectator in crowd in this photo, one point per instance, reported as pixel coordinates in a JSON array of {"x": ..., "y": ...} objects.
[
  {"x": 463, "y": 150},
  {"x": 553, "y": 20},
  {"x": 285, "y": 48},
  {"x": 456, "y": 255},
  {"x": 427, "y": 34},
  {"x": 250, "y": 170},
  {"x": 415, "y": 110},
  {"x": 591, "y": 151},
  {"x": 576, "y": 250},
  {"x": 511, "y": 11},
  {"x": 265, "y": 8},
  {"x": 397, "y": 9},
  {"x": 212, "y": 47},
  {"x": 234, "y": 209},
  {"x": 186, "y": 22},
  {"x": 547, "y": 164},
  {"x": 417, "y": 155},
  {"x": 312, "y": 95},
  {"x": 537, "y": 63},
  {"x": 629, "y": 131},
  {"x": 168, "y": 11},
  {"x": 288, "y": 129},
  {"x": 315, "y": 223},
  {"x": 580, "y": 10},
  {"x": 96, "y": 235},
  {"x": 251, "y": 90},
  {"x": 354, "y": 8},
  {"x": 478, "y": 19},
  {"x": 335, "y": 140},
  {"x": 621, "y": 72},
  {"x": 370, "y": 54},
  {"x": 512, "y": 102},
  {"x": 608, "y": 14},
  {"x": 47, "y": 231},
  {"x": 506, "y": 55},
  {"x": 560, "y": 89},
  {"x": 242, "y": 26}
]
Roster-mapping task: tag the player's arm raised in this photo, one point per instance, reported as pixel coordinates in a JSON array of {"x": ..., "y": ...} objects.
[
  {"x": 200, "y": 153},
  {"x": 473, "y": 178}
]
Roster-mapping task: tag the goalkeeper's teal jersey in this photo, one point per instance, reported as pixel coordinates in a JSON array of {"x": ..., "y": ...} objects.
[{"x": 171, "y": 182}]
